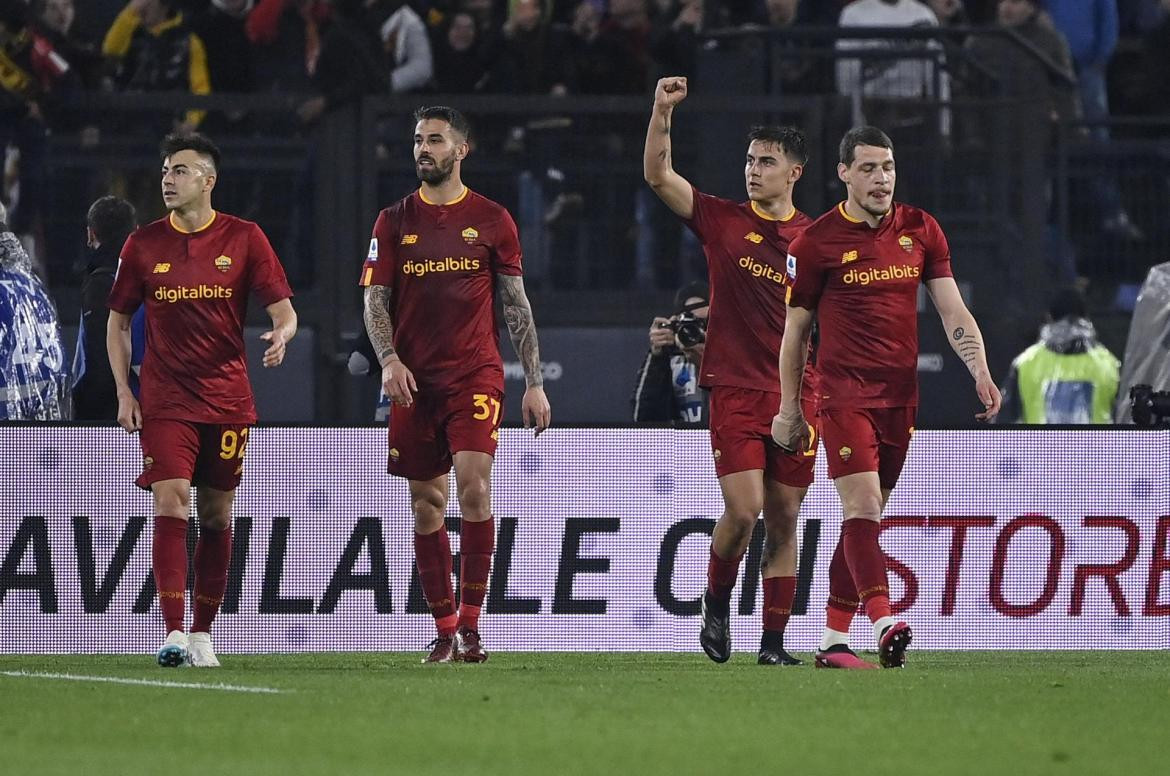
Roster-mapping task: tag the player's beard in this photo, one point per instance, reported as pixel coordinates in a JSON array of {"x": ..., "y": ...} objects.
[{"x": 439, "y": 172}]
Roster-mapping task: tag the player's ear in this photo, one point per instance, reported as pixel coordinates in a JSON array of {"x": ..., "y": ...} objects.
[
  {"x": 797, "y": 171},
  {"x": 841, "y": 170},
  {"x": 209, "y": 181},
  {"x": 462, "y": 150}
]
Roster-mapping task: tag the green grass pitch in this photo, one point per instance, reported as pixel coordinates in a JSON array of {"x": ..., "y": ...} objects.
[{"x": 551, "y": 713}]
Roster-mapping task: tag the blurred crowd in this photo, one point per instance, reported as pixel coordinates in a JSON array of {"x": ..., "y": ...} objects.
[{"x": 325, "y": 54}]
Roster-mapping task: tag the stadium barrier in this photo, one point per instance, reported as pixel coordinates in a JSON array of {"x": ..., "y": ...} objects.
[{"x": 996, "y": 539}]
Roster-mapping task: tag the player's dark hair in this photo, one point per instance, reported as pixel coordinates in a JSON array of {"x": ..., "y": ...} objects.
[
  {"x": 453, "y": 117},
  {"x": 788, "y": 139},
  {"x": 112, "y": 219},
  {"x": 1068, "y": 303},
  {"x": 200, "y": 144},
  {"x": 862, "y": 136}
]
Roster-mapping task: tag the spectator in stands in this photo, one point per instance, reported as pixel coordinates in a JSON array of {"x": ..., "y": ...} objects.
[
  {"x": 407, "y": 46},
  {"x": 462, "y": 61},
  {"x": 1019, "y": 73},
  {"x": 1092, "y": 34},
  {"x": 892, "y": 81},
  {"x": 220, "y": 25},
  {"x": 950, "y": 13},
  {"x": 109, "y": 222},
  {"x": 33, "y": 75},
  {"x": 674, "y": 38},
  {"x": 593, "y": 58},
  {"x": 286, "y": 36},
  {"x": 629, "y": 23},
  {"x": 33, "y": 382},
  {"x": 667, "y": 386},
  {"x": 529, "y": 60},
  {"x": 350, "y": 64},
  {"x": 56, "y": 19},
  {"x": 795, "y": 71},
  {"x": 155, "y": 50},
  {"x": 1067, "y": 376}
]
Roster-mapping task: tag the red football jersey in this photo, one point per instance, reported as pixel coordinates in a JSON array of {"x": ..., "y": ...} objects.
[
  {"x": 440, "y": 263},
  {"x": 746, "y": 252},
  {"x": 195, "y": 286},
  {"x": 863, "y": 283}
]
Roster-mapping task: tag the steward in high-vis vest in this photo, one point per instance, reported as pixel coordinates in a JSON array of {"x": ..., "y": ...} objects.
[{"x": 1067, "y": 376}]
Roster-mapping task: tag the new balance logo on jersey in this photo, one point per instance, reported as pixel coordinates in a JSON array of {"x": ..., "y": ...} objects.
[
  {"x": 760, "y": 270},
  {"x": 848, "y": 256},
  {"x": 409, "y": 239},
  {"x": 189, "y": 293},
  {"x": 880, "y": 275},
  {"x": 161, "y": 267},
  {"x": 448, "y": 264},
  {"x": 754, "y": 238}
]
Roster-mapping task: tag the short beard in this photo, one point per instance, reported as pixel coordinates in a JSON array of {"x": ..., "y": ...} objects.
[{"x": 439, "y": 173}]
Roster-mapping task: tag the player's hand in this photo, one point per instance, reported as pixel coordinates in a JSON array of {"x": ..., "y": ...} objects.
[
  {"x": 694, "y": 353},
  {"x": 990, "y": 396},
  {"x": 129, "y": 412},
  {"x": 535, "y": 410},
  {"x": 398, "y": 383},
  {"x": 670, "y": 91},
  {"x": 790, "y": 431},
  {"x": 274, "y": 356},
  {"x": 661, "y": 335}
]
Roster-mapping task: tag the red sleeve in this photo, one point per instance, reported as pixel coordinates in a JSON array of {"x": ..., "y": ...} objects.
[
  {"x": 938, "y": 252},
  {"x": 378, "y": 270},
  {"x": 126, "y": 296},
  {"x": 506, "y": 247},
  {"x": 263, "y": 24},
  {"x": 805, "y": 273},
  {"x": 703, "y": 221},
  {"x": 266, "y": 279}
]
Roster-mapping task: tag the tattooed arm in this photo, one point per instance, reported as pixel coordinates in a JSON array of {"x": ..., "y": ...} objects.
[
  {"x": 397, "y": 379},
  {"x": 966, "y": 340},
  {"x": 671, "y": 188},
  {"x": 522, "y": 330}
]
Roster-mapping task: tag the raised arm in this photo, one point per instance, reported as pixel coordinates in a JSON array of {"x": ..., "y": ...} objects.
[
  {"x": 284, "y": 328},
  {"x": 966, "y": 340},
  {"x": 657, "y": 167},
  {"x": 118, "y": 349},
  {"x": 790, "y": 428},
  {"x": 397, "y": 379},
  {"x": 522, "y": 330}
]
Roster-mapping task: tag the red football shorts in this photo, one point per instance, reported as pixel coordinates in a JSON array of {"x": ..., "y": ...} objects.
[
  {"x": 741, "y": 437},
  {"x": 867, "y": 440},
  {"x": 425, "y": 435},
  {"x": 210, "y": 454}
]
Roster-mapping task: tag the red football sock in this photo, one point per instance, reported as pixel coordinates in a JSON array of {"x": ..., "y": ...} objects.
[
  {"x": 867, "y": 564},
  {"x": 432, "y": 556},
  {"x": 169, "y": 561},
  {"x": 213, "y": 552},
  {"x": 721, "y": 576},
  {"x": 842, "y": 593},
  {"x": 475, "y": 563},
  {"x": 778, "y": 595}
]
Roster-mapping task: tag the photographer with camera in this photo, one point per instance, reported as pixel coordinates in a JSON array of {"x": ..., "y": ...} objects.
[
  {"x": 667, "y": 389},
  {"x": 1065, "y": 377}
]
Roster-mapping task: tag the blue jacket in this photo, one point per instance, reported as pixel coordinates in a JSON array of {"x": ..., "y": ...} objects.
[{"x": 1091, "y": 27}]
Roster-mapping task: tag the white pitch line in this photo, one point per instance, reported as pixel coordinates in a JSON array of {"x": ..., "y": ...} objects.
[{"x": 144, "y": 682}]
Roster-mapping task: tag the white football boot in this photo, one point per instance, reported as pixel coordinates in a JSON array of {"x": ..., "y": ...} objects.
[{"x": 200, "y": 653}]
